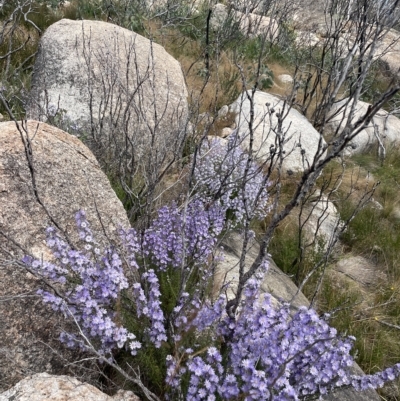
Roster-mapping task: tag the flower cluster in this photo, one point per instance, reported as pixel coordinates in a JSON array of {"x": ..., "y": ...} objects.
[
  {"x": 207, "y": 314},
  {"x": 204, "y": 376},
  {"x": 224, "y": 174},
  {"x": 131, "y": 246},
  {"x": 150, "y": 307},
  {"x": 93, "y": 279},
  {"x": 287, "y": 356},
  {"x": 94, "y": 282},
  {"x": 376, "y": 380},
  {"x": 179, "y": 236},
  {"x": 272, "y": 354}
]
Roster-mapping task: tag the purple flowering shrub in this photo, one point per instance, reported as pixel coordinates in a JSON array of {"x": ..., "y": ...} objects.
[
  {"x": 265, "y": 352},
  {"x": 176, "y": 245}
]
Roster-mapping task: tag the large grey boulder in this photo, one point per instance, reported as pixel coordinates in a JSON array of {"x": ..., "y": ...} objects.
[
  {"x": 45, "y": 387},
  {"x": 123, "y": 94},
  {"x": 383, "y": 129},
  {"x": 62, "y": 178},
  {"x": 295, "y": 139},
  {"x": 349, "y": 394}
]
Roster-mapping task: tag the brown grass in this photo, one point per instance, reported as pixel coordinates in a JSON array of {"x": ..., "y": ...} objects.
[{"x": 206, "y": 93}]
